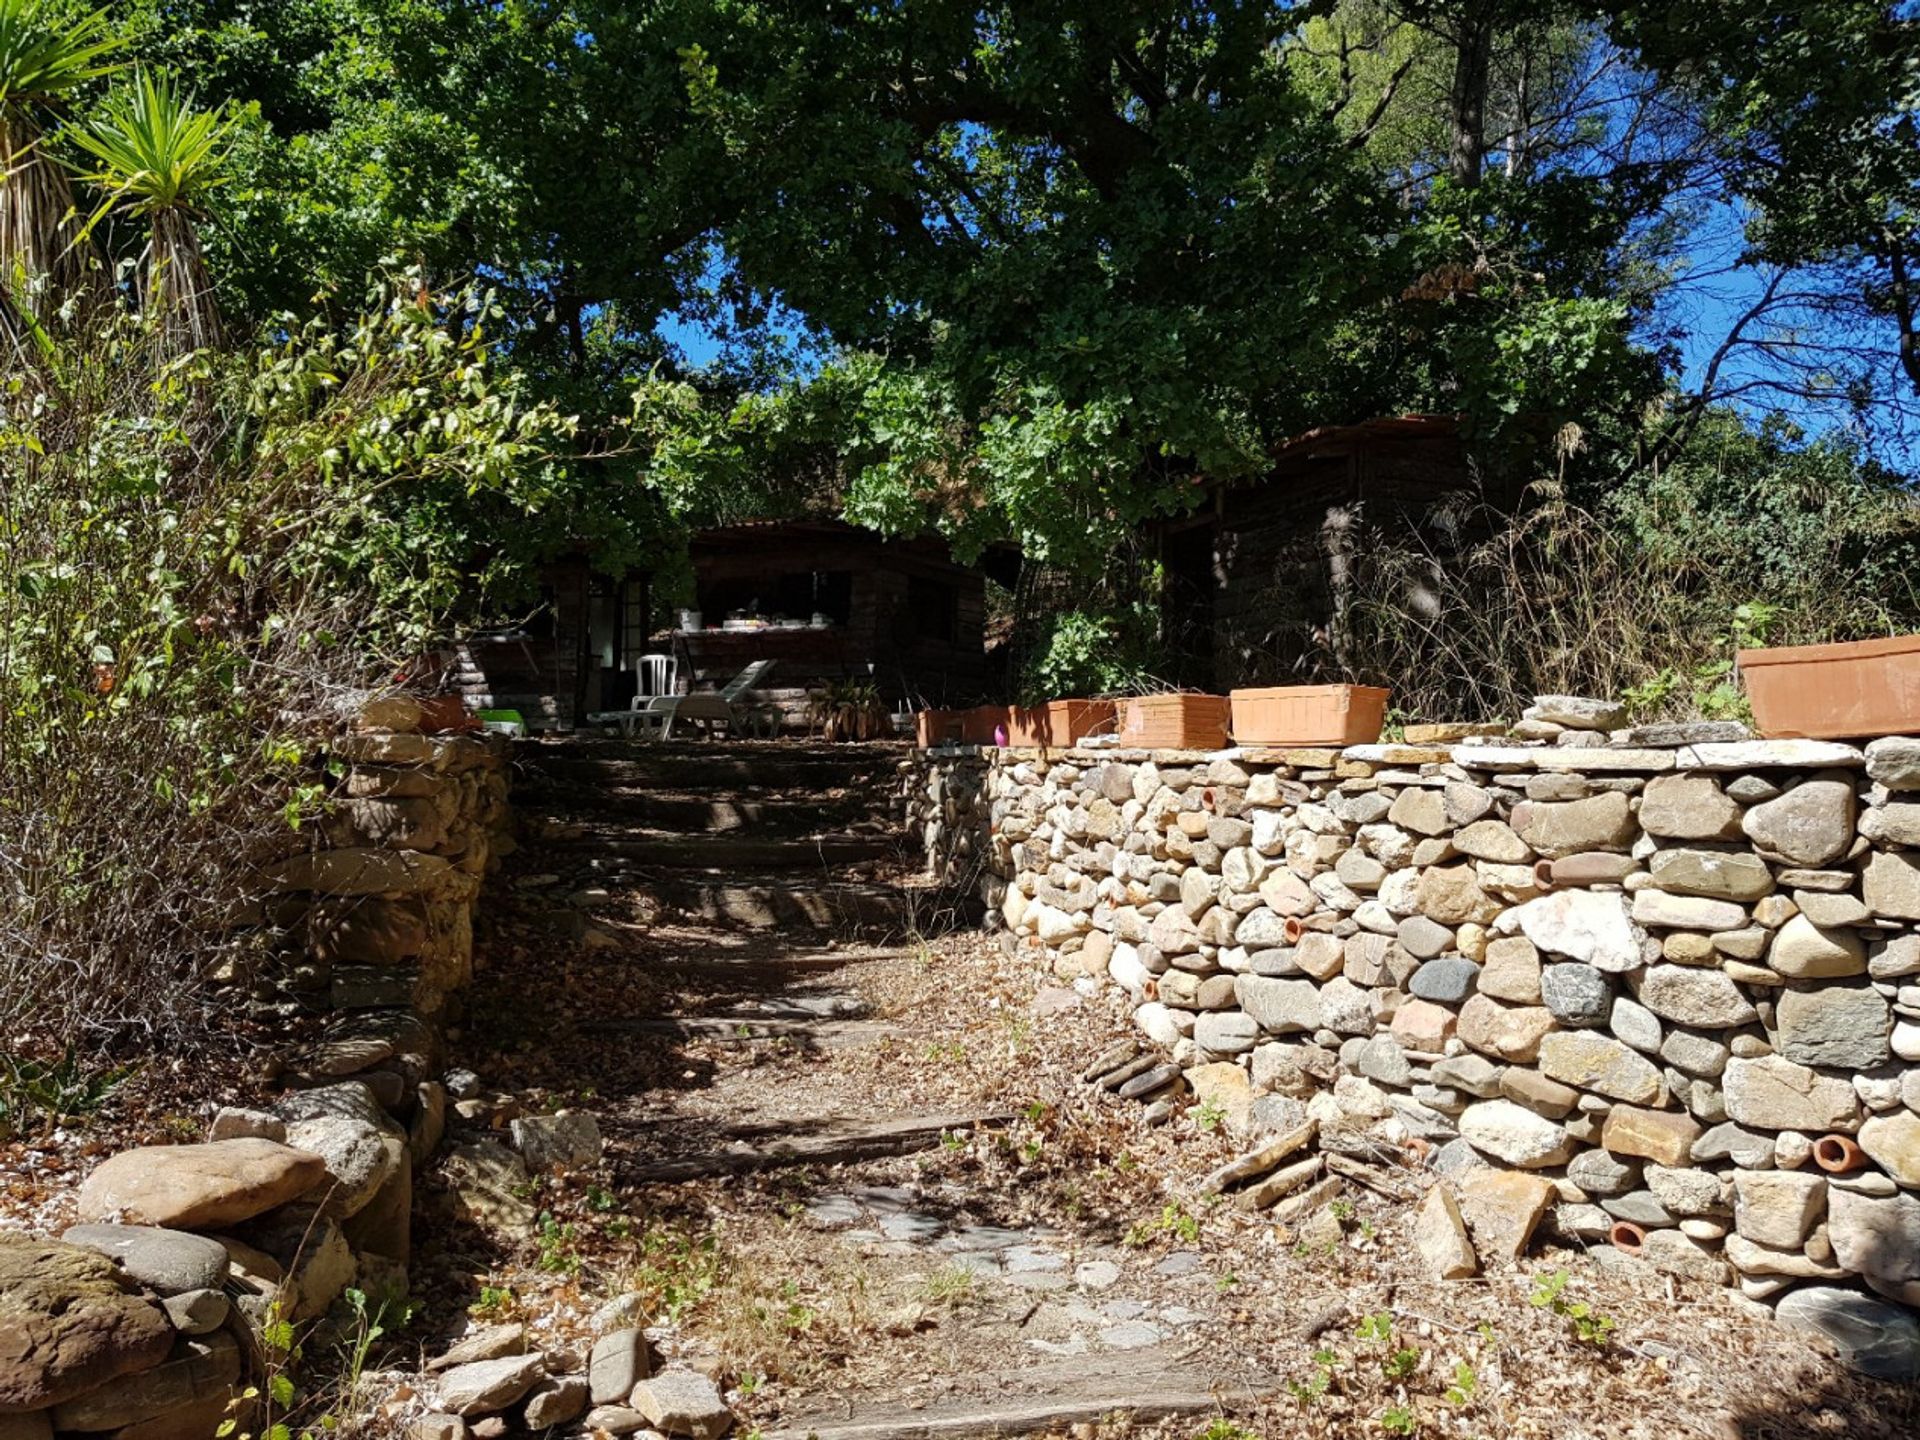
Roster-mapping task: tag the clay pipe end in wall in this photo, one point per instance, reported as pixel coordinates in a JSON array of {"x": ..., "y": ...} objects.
[
  {"x": 1627, "y": 1237},
  {"x": 1837, "y": 1154},
  {"x": 1543, "y": 874},
  {"x": 1291, "y": 930}
]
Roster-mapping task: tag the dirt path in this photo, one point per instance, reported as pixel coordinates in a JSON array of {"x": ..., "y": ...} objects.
[{"x": 852, "y": 1170}]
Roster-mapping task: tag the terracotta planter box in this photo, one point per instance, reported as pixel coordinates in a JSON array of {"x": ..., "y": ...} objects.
[
  {"x": 1836, "y": 692},
  {"x": 1059, "y": 722},
  {"x": 978, "y": 724},
  {"x": 1175, "y": 722},
  {"x": 446, "y": 715},
  {"x": 1309, "y": 715},
  {"x": 938, "y": 727}
]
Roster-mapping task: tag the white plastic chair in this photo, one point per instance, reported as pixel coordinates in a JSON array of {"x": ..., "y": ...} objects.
[
  {"x": 653, "y": 717},
  {"x": 662, "y": 675}
]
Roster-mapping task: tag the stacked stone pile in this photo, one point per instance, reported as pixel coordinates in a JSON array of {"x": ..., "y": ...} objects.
[
  {"x": 383, "y": 914},
  {"x": 1659, "y": 986},
  {"x": 492, "y": 1383},
  {"x": 143, "y": 1319}
]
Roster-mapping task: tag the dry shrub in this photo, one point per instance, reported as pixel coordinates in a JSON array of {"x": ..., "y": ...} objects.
[
  {"x": 202, "y": 563},
  {"x": 1473, "y": 615}
]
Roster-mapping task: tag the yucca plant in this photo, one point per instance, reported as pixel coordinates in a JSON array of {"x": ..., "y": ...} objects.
[
  {"x": 154, "y": 153},
  {"x": 46, "y": 54}
]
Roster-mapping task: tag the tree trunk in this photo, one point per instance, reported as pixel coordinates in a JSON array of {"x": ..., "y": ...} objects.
[
  {"x": 1467, "y": 102},
  {"x": 1906, "y": 308}
]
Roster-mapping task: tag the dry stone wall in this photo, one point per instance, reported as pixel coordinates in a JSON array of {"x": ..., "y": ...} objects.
[
  {"x": 142, "y": 1320},
  {"x": 1658, "y": 986}
]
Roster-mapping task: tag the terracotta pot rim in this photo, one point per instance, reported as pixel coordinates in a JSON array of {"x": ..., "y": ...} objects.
[
  {"x": 1627, "y": 1237},
  {"x": 1838, "y": 1154}
]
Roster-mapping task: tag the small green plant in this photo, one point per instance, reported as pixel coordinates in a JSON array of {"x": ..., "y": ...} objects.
[
  {"x": 952, "y": 1140},
  {"x": 1226, "y": 1430},
  {"x": 496, "y": 1302},
  {"x": 749, "y": 1385},
  {"x": 950, "y": 1286},
  {"x": 1307, "y": 1393},
  {"x": 37, "y": 1095},
  {"x": 370, "y": 1326},
  {"x": 1208, "y": 1115},
  {"x": 559, "y": 1253},
  {"x": 1398, "y": 1420},
  {"x": 1174, "y": 1220},
  {"x": 1465, "y": 1382},
  {"x": 1342, "y": 1211},
  {"x": 676, "y": 1271},
  {"x": 1588, "y": 1325},
  {"x": 1375, "y": 1327}
]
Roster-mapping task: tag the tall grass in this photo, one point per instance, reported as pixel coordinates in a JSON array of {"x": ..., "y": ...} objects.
[{"x": 1471, "y": 616}]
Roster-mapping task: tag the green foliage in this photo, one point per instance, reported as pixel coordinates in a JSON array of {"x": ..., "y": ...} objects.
[
  {"x": 202, "y": 550},
  {"x": 1307, "y": 1393},
  {"x": 36, "y": 1095},
  {"x": 1080, "y": 652},
  {"x": 1588, "y": 1326},
  {"x": 559, "y": 1247},
  {"x": 1465, "y": 1383},
  {"x": 1174, "y": 1220},
  {"x": 48, "y": 51},
  {"x": 1226, "y": 1430},
  {"x": 151, "y": 148}
]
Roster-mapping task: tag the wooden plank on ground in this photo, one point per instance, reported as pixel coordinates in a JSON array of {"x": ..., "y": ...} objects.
[{"x": 835, "y": 1142}]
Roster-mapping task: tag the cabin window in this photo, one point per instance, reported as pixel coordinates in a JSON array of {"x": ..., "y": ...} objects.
[
  {"x": 796, "y": 595},
  {"x": 935, "y": 609}
]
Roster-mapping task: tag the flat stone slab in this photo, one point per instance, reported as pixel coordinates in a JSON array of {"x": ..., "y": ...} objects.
[
  {"x": 1044, "y": 1280},
  {"x": 1030, "y": 1258},
  {"x": 1096, "y": 1274},
  {"x": 984, "y": 1237},
  {"x": 1767, "y": 754},
  {"x": 1567, "y": 759},
  {"x": 196, "y": 1187},
  {"x": 832, "y": 1211},
  {"x": 915, "y": 1229},
  {"x": 170, "y": 1262}
]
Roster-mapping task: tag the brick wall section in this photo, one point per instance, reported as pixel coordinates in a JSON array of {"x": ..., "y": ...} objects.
[{"x": 1649, "y": 979}]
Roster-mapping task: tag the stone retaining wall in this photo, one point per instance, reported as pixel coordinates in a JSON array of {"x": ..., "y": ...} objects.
[
  {"x": 1613, "y": 977},
  {"x": 140, "y": 1322}
]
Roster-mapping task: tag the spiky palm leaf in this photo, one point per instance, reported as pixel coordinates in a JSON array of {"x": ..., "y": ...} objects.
[
  {"x": 154, "y": 154},
  {"x": 45, "y": 54}
]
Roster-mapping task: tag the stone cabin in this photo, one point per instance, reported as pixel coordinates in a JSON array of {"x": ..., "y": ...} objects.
[
  {"x": 829, "y": 601},
  {"x": 1255, "y": 576},
  {"x": 577, "y": 651}
]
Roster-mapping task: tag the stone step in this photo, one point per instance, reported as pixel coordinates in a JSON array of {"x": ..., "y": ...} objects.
[
  {"x": 764, "y": 902},
  {"x": 772, "y": 765},
  {"x": 831, "y": 1140},
  {"x": 1146, "y": 1386},
  {"x": 734, "y": 852},
  {"x": 746, "y": 1028},
  {"x": 707, "y": 814}
]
